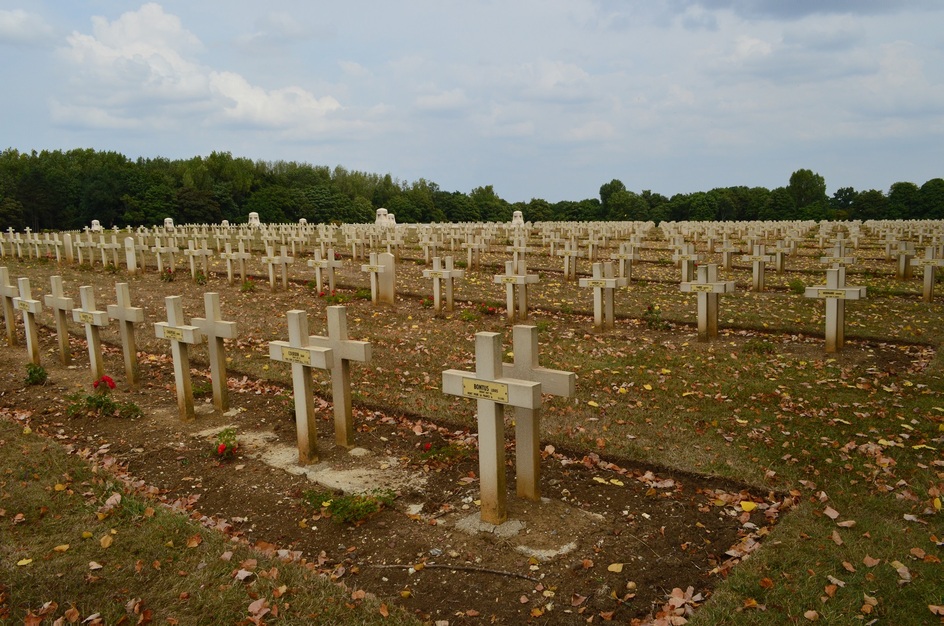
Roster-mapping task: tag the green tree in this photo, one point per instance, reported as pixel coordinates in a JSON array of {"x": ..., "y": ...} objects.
[
  {"x": 903, "y": 201},
  {"x": 806, "y": 187},
  {"x": 870, "y": 205},
  {"x": 840, "y": 205},
  {"x": 607, "y": 190},
  {"x": 931, "y": 202}
]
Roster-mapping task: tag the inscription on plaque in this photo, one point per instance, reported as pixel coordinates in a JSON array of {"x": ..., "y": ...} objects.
[
  {"x": 832, "y": 293},
  {"x": 705, "y": 288},
  {"x": 485, "y": 390},
  {"x": 173, "y": 333},
  {"x": 599, "y": 282},
  {"x": 86, "y": 318},
  {"x": 509, "y": 279},
  {"x": 23, "y": 305},
  {"x": 294, "y": 355}
]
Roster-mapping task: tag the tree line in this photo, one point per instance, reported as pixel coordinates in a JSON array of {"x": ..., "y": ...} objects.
[{"x": 66, "y": 190}]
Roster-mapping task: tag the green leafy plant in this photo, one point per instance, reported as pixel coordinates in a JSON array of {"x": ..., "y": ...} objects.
[
  {"x": 653, "y": 318},
  {"x": 468, "y": 316},
  {"x": 426, "y": 303},
  {"x": 200, "y": 278},
  {"x": 489, "y": 308},
  {"x": 111, "y": 268},
  {"x": 445, "y": 454},
  {"x": 362, "y": 294},
  {"x": 100, "y": 403},
  {"x": 36, "y": 374},
  {"x": 796, "y": 286},
  {"x": 248, "y": 286},
  {"x": 226, "y": 444},
  {"x": 167, "y": 276},
  {"x": 759, "y": 346},
  {"x": 336, "y": 298},
  {"x": 356, "y": 508}
]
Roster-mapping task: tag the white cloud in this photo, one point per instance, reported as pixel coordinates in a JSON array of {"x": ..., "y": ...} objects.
[
  {"x": 279, "y": 108},
  {"x": 450, "y": 100},
  {"x": 354, "y": 69},
  {"x": 19, "y": 27}
]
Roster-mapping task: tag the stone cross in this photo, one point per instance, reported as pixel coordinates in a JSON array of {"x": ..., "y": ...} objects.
[
  {"x": 570, "y": 254},
  {"x": 61, "y": 306},
  {"x": 216, "y": 330},
  {"x": 303, "y": 356},
  {"x": 625, "y": 257},
  {"x": 30, "y": 309},
  {"x": 325, "y": 266},
  {"x": 516, "y": 281},
  {"x": 686, "y": 258},
  {"x": 604, "y": 285},
  {"x": 442, "y": 277},
  {"x": 475, "y": 246},
  {"x": 127, "y": 317},
  {"x": 759, "y": 259},
  {"x": 708, "y": 288},
  {"x": 528, "y": 421},
  {"x": 382, "y": 270},
  {"x": 283, "y": 260},
  {"x": 109, "y": 246},
  {"x": 835, "y": 292},
  {"x": 239, "y": 257},
  {"x": 345, "y": 350},
  {"x": 8, "y": 292},
  {"x": 93, "y": 319},
  {"x": 906, "y": 251},
  {"x": 780, "y": 250},
  {"x": 837, "y": 258},
  {"x": 180, "y": 337},
  {"x": 728, "y": 249},
  {"x": 159, "y": 252},
  {"x": 131, "y": 255},
  {"x": 930, "y": 265},
  {"x": 492, "y": 391},
  {"x": 519, "y": 248},
  {"x": 203, "y": 253}
]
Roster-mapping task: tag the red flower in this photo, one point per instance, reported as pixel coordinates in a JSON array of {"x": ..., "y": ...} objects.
[
  {"x": 221, "y": 449},
  {"x": 427, "y": 446},
  {"x": 108, "y": 381}
]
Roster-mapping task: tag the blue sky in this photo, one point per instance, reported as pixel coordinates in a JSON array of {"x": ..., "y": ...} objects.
[{"x": 539, "y": 98}]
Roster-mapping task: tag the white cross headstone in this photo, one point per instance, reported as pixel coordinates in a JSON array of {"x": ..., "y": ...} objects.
[
  {"x": 180, "y": 336},
  {"x": 759, "y": 259},
  {"x": 240, "y": 257},
  {"x": 345, "y": 350},
  {"x": 516, "y": 279},
  {"x": 528, "y": 421},
  {"x": 216, "y": 330},
  {"x": 282, "y": 260},
  {"x": 492, "y": 391},
  {"x": 604, "y": 285},
  {"x": 61, "y": 306},
  {"x": 930, "y": 265},
  {"x": 30, "y": 309},
  {"x": 324, "y": 267},
  {"x": 835, "y": 292},
  {"x": 93, "y": 319},
  {"x": 8, "y": 292},
  {"x": 127, "y": 317},
  {"x": 303, "y": 356},
  {"x": 382, "y": 270},
  {"x": 708, "y": 288},
  {"x": 443, "y": 277}
]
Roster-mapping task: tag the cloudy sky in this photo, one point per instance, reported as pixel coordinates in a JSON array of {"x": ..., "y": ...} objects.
[{"x": 540, "y": 98}]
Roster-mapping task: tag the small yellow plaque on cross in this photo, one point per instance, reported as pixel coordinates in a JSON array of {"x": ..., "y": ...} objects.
[{"x": 485, "y": 390}]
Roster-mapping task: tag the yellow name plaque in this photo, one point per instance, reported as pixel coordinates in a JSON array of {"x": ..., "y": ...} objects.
[
  {"x": 86, "y": 318},
  {"x": 485, "y": 390},
  {"x": 173, "y": 333},
  {"x": 296, "y": 355},
  {"x": 435, "y": 274},
  {"x": 596, "y": 282},
  {"x": 509, "y": 280},
  {"x": 702, "y": 287},
  {"x": 372, "y": 268},
  {"x": 23, "y": 305},
  {"x": 832, "y": 293}
]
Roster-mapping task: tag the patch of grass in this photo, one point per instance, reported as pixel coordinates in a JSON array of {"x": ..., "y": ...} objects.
[
  {"x": 36, "y": 374},
  {"x": 248, "y": 286},
  {"x": 467, "y": 315},
  {"x": 797, "y": 286},
  {"x": 446, "y": 454},
  {"x": 362, "y": 294},
  {"x": 759, "y": 346},
  {"x": 356, "y": 508},
  {"x": 55, "y": 561}
]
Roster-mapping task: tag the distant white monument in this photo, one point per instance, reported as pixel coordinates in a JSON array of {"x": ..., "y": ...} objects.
[
  {"x": 517, "y": 219},
  {"x": 254, "y": 220},
  {"x": 96, "y": 226},
  {"x": 303, "y": 222},
  {"x": 381, "y": 219},
  {"x": 168, "y": 223},
  {"x": 225, "y": 223}
]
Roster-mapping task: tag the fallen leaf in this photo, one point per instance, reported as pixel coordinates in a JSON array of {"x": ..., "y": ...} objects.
[
  {"x": 61, "y": 548},
  {"x": 23, "y": 562},
  {"x": 194, "y": 541},
  {"x": 747, "y": 505},
  {"x": 811, "y": 615},
  {"x": 836, "y": 538},
  {"x": 616, "y": 568},
  {"x": 849, "y": 567},
  {"x": 106, "y": 541},
  {"x": 577, "y": 599},
  {"x": 93, "y": 565},
  {"x": 870, "y": 562},
  {"x": 830, "y": 512},
  {"x": 384, "y": 611}
]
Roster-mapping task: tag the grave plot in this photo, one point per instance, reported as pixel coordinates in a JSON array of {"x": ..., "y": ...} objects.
[{"x": 763, "y": 404}]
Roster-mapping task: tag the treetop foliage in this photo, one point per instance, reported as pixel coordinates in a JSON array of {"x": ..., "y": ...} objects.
[{"x": 67, "y": 190}]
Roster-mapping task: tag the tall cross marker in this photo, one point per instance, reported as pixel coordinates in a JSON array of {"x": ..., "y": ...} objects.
[
  {"x": 708, "y": 288},
  {"x": 30, "y": 309},
  {"x": 303, "y": 356},
  {"x": 216, "y": 330},
  {"x": 442, "y": 276},
  {"x": 528, "y": 421},
  {"x": 516, "y": 278},
  {"x": 603, "y": 284},
  {"x": 835, "y": 293},
  {"x": 325, "y": 266},
  {"x": 8, "y": 292},
  {"x": 61, "y": 306},
  {"x": 127, "y": 317},
  {"x": 345, "y": 350},
  {"x": 492, "y": 391},
  {"x": 180, "y": 337},
  {"x": 93, "y": 319},
  {"x": 930, "y": 264}
]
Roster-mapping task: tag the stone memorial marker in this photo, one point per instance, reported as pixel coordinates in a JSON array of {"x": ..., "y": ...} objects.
[
  {"x": 759, "y": 259},
  {"x": 835, "y": 292},
  {"x": 475, "y": 247},
  {"x": 344, "y": 350},
  {"x": 906, "y": 252},
  {"x": 625, "y": 257},
  {"x": 528, "y": 421},
  {"x": 324, "y": 267},
  {"x": 443, "y": 278},
  {"x": 604, "y": 285},
  {"x": 930, "y": 265},
  {"x": 570, "y": 254},
  {"x": 303, "y": 356},
  {"x": 30, "y": 309},
  {"x": 127, "y": 317},
  {"x": 708, "y": 288},
  {"x": 382, "y": 270},
  {"x": 92, "y": 319},
  {"x": 203, "y": 253},
  {"x": 728, "y": 249},
  {"x": 215, "y": 330},
  {"x": 516, "y": 282},
  {"x": 686, "y": 258},
  {"x": 283, "y": 260},
  {"x": 159, "y": 251},
  {"x": 180, "y": 337},
  {"x": 8, "y": 292},
  {"x": 239, "y": 258},
  {"x": 492, "y": 391},
  {"x": 61, "y": 306}
]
